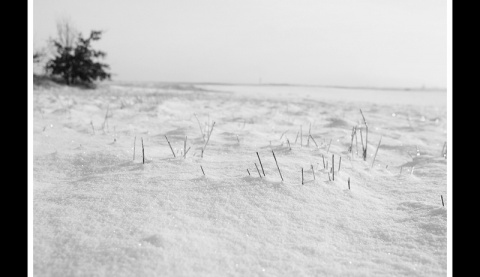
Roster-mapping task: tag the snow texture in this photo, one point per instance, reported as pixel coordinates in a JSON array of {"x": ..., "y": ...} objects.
[{"x": 98, "y": 211}]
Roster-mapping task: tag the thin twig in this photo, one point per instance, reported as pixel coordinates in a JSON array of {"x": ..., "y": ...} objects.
[
  {"x": 309, "y": 129},
  {"x": 200, "y": 126},
  {"x": 333, "y": 167},
  {"x": 361, "y": 139},
  {"x": 185, "y": 148},
  {"x": 258, "y": 171},
  {"x": 261, "y": 164},
  {"x": 248, "y": 172},
  {"x": 364, "y": 121},
  {"x": 356, "y": 141},
  {"x": 314, "y": 141},
  {"x": 134, "y": 140},
  {"x": 143, "y": 153},
  {"x": 208, "y": 139},
  {"x": 277, "y": 165},
  {"x": 366, "y": 137},
  {"x": 202, "y": 171},
  {"x": 329, "y": 145},
  {"x": 378, "y": 146},
  {"x": 443, "y": 205},
  {"x": 313, "y": 172},
  {"x": 170, "y": 146},
  {"x": 348, "y": 182},
  {"x": 302, "y": 175},
  {"x": 351, "y": 141}
]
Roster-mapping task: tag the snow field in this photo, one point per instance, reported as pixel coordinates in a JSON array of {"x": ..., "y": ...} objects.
[{"x": 98, "y": 212}]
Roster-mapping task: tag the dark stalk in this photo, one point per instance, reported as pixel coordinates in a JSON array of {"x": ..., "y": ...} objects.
[
  {"x": 261, "y": 164},
  {"x": 302, "y": 175},
  {"x": 277, "y": 165},
  {"x": 258, "y": 171},
  {"x": 170, "y": 146},
  {"x": 143, "y": 153}
]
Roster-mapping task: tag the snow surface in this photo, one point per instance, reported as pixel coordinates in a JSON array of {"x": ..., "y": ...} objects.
[{"x": 98, "y": 212}]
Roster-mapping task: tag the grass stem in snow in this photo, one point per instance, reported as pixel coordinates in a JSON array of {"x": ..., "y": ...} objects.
[
  {"x": 283, "y": 134},
  {"x": 349, "y": 183},
  {"x": 309, "y": 129},
  {"x": 361, "y": 139},
  {"x": 93, "y": 129},
  {"x": 289, "y": 144},
  {"x": 170, "y": 146},
  {"x": 356, "y": 141},
  {"x": 329, "y": 145},
  {"x": 277, "y": 165},
  {"x": 185, "y": 148},
  {"x": 134, "y": 147},
  {"x": 200, "y": 126},
  {"x": 378, "y": 146},
  {"x": 314, "y": 141},
  {"x": 296, "y": 138},
  {"x": 366, "y": 137},
  {"x": 261, "y": 164},
  {"x": 202, "y": 171},
  {"x": 313, "y": 172},
  {"x": 351, "y": 141},
  {"x": 258, "y": 171},
  {"x": 333, "y": 167},
  {"x": 248, "y": 172},
  {"x": 323, "y": 159},
  {"x": 208, "y": 138},
  {"x": 339, "y": 163},
  {"x": 443, "y": 205},
  {"x": 302, "y": 175},
  {"x": 143, "y": 153}
]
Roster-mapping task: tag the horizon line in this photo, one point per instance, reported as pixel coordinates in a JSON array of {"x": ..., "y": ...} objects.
[{"x": 425, "y": 88}]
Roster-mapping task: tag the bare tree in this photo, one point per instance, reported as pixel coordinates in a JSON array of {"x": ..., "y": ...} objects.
[{"x": 66, "y": 33}]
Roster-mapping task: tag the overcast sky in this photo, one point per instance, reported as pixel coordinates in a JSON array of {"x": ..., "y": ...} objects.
[{"x": 381, "y": 43}]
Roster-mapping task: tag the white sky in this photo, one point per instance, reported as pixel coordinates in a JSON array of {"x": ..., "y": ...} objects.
[{"x": 394, "y": 43}]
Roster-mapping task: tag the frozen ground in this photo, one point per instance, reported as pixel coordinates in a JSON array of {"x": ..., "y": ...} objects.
[{"x": 98, "y": 212}]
